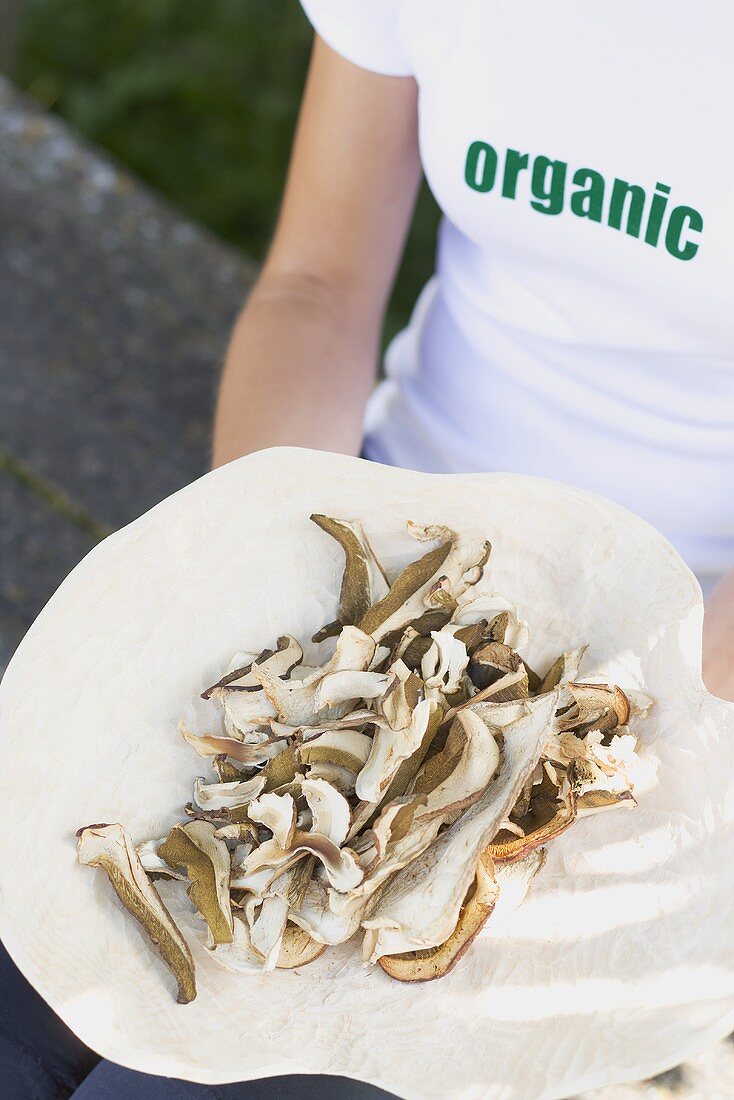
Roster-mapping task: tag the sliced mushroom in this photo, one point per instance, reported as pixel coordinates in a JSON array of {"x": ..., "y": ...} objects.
[
  {"x": 388, "y": 750},
  {"x": 420, "y": 905},
  {"x": 503, "y": 850},
  {"x": 473, "y": 746},
  {"x": 563, "y": 669},
  {"x": 297, "y": 948},
  {"x": 152, "y": 862},
  {"x": 111, "y": 848},
  {"x": 491, "y": 661},
  {"x": 340, "y": 864},
  {"x": 276, "y": 812},
  {"x": 591, "y": 802},
  {"x": 345, "y": 686},
  {"x": 207, "y": 744},
  {"x": 280, "y": 662},
  {"x": 435, "y": 962},
  {"x": 330, "y": 810},
  {"x": 343, "y": 748},
  {"x": 364, "y": 582},
  {"x": 206, "y": 860},
  {"x": 596, "y": 706},
  {"x": 268, "y": 928},
  {"x": 459, "y": 560},
  {"x": 444, "y": 664},
  {"x": 218, "y": 796}
]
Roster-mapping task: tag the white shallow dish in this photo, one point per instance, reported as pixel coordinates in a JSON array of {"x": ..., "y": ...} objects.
[{"x": 621, "y": 961}]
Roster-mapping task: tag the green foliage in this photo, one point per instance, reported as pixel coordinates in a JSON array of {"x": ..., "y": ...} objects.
[{"x": 198, "y": 98}]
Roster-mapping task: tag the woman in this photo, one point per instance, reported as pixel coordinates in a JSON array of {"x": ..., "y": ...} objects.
[{"x": 579, "y": 326}]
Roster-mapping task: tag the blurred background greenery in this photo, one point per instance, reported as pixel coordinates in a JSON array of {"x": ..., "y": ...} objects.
[{"x": 198, "y": 98}]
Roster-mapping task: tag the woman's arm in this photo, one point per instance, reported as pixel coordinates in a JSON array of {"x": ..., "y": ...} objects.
[{"x": 303, "y": 355}]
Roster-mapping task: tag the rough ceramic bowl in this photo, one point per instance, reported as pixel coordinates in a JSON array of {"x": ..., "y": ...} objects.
[{"x": 621, "y": 961}]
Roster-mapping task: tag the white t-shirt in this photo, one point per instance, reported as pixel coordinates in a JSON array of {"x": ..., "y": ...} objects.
[{"x": 580, "y": 325}]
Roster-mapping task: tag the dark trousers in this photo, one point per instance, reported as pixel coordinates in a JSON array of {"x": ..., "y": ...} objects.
[{"x": 40, "y": 1059}]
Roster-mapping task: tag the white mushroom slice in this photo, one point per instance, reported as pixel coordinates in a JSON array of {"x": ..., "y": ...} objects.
[
  {"x": 459, "y": 560},
  {"x": 218, "y": 796},
  {"x": 111, "y": 848},
  {"x": 343, "y": 748},
  {"x": 255, "y": 882},
  {"x": 316, "y": 917},
  {"x": 346, "y": 686},
  {"x": 244, "y": 711},
  {"x": 474, "y": 747},
  {"x": 364, "y": 582},
  {"x": 266, "y": 931},
  {"x": 600, "y": 707},
  {"x": 355, "y": 719},
  {"x": 420, "y": 905},
  {"x": 207, "y": 744},
  {"x": 592, "y": 802},
  {"x": 340, "y": 864},
  {"x": 389, "y": 748},
  {"x": 329, "y": 809},
  {"x": 341, "y": 779},
  {"x": 152, "y": 862},
  {"x": 206, "y": 861},
  {"x": 295, "y": 701},
  {"x": 355, "y": 650},
  {"x": 444, "y": 664},
  {"x": 401, "y": 696},
  {"x": 239, "y": 674},
  {"x": 472, "y": 608},
  {"x": 276, "y": 812},
  {"x": 239, "y": 956}
]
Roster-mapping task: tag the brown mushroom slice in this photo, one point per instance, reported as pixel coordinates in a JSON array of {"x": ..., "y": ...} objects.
[
  {"x": 460, "y": 560},
  {"x": 563, "y": 669},
  {"x": 392, "y": 825},
  {"x": 330, "y": 810},
  {"x": 252, "y": 754},
  {"x": 226, "y": 771},
  {"x": 244, "y": 832},
  {"x": 491, "y": 661},
  {"x": 421, "y": 903},
  {"x": 111, "y": 848},
  {"x": 276, "y": 812},
  {"x": 512, "y": 850},
  {"x": 388, "y": 749},
  {"x": 239, "y": 668},
  {"x": 501, "y": 615},
  {"x": 206, "y": 861},
  {"x": 355, "y": 719},
  {"x": 472, "y": 748},
  {"x": 600, "y": 707},
  {"x": 591, "y": 802},
  {"x": 297, "y": 948},
  {"x": 152, "y": 862},
  {"x": 282, "y": 769},
  {"x": 280, "y": 661},
  {"x": 365, "y": 812},
  {"x": 435, "y": 962},
  {"x": 218, "y": 796},
  {"x": 299, "y": 880},
  {"x": 340, "y": 864},
  {"x": 344, "y": 748},
  {"x": 363, "y": 582}
]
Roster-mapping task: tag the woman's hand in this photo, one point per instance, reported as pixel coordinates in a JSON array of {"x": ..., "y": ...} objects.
[
  {"x": 303, "y": 356},
  {"x": 718, "y": 639}
]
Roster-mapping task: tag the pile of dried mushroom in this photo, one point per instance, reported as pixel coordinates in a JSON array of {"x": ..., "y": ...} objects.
[{"x": 384, "y": 789}]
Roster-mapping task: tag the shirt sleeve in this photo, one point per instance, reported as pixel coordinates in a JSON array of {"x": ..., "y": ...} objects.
[{"x": 363, "y": 31}]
